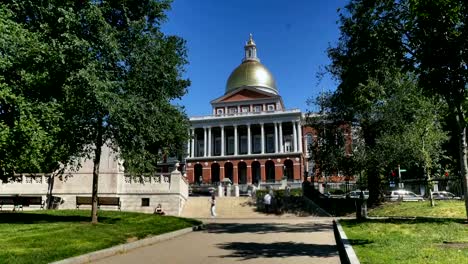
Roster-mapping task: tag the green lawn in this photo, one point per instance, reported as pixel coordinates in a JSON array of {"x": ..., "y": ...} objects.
[
  {"x": 441, "y": 238},
  {"x": 451, "y": 209},
  {"x": 45, "y": 236}
]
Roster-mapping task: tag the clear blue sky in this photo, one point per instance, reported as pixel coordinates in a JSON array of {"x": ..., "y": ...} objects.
[{"x": 291, "y": 36}]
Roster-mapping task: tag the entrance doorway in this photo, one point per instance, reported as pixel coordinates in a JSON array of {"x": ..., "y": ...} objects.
[{"x": 256, "y": 174}]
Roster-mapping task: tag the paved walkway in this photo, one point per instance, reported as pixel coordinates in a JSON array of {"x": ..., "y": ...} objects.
[{"x": 269, "y": 241}]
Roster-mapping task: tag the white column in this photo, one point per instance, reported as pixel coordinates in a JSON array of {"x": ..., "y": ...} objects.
[
  {"x": 299, "y": 131},
  {"x": 205, "y": 142},
  {"x": 209, "y": 141},
  {"x": 192, "y": 143},
  {"x": 281, "y": 137},
  {"x": 189, "y": 141},
  {"x": 249, "y": 148},
  {"x": 263, "y": 137},
  {"x": 276, "y": 137},
  {"x": 236, "y": 144},
  {"x": 222, "y": 140},
  {"x": 294, "y": 137}
]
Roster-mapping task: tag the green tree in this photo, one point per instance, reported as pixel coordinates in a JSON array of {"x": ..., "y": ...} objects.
[
  {"x": 117, "y": 75},
  {"x": 30, "y": 123},
  {"x": 437, "y": 35},
  {"x": 427, "y": 38}
]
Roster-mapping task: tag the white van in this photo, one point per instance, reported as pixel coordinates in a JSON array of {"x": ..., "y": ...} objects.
[{"x": 403, "y": 195}]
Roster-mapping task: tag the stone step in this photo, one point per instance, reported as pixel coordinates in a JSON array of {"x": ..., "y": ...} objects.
[{"x": 226, "y": 207}]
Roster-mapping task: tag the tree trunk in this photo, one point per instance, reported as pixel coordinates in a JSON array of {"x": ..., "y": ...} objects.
[
  {"x": 50, "y": 188},
  {"x": 373, "y": 182},
  {"x": 97, "y": 160},
  {"x": 463, "y": 158}
]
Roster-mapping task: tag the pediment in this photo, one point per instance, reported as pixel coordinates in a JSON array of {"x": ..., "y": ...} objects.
[{"x": 244, "y": 94}]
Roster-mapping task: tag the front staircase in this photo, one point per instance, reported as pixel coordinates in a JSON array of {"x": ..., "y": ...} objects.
[{"x": 226, "y": 207}]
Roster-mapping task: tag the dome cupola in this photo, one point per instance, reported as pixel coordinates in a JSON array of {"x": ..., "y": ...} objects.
[{"x": 251, "y": 72}]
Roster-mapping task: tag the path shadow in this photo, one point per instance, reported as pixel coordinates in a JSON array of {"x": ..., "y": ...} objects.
[
  {"x": 251, "y": 250},
  {"x": 265, "y": 228},
  {"x": 29, "y": 218}
]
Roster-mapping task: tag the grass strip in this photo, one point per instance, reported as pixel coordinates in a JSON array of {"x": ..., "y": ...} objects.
[
  {"x": 46, "y": 236},
  {"x": 435, "y": 235}
]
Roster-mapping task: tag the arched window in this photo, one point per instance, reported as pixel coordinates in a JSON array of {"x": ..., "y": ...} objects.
[
  {"x": 270, "y": 171},
  {"x": 215, "y": 173}
]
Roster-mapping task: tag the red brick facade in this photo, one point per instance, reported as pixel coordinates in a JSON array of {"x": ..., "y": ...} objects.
[{"x": 290, "y": 164}]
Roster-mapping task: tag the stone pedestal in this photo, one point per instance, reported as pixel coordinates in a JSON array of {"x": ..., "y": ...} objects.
[
  {"x": 236, "y": 190},
  {"x": 284, "y": 182},
  {"x": 220, "y": 191},
  {"x": 228, "y": 190}
]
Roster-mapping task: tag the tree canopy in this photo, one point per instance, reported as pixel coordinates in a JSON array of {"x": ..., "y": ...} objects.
[
  {"x": 424, "y": 39},
  {"x": 112, "y": 73}
]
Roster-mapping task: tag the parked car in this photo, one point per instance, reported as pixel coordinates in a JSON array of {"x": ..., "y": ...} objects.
[
  {"x": 403, "y": 195},
  {"x": 356, "y": 194},
  {"x": 443, "y": 195},
  {"x": 335, "y": 194}
]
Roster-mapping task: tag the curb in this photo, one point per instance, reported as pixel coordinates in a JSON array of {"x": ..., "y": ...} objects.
[
  {"x": 347, "y": 254},
  {"x": 119, "y": 249}
]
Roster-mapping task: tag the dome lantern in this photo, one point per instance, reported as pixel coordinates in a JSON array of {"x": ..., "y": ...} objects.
[{"x": 250, "y": 50}]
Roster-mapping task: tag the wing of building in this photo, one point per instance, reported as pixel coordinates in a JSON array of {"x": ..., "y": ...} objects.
[{"x": 250, "y": 137}]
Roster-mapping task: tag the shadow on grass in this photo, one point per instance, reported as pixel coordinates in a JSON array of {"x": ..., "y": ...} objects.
[
  {"x": 355, "y": 242},
  {"x": 29, "y": 218},
  {"x": 405, "y": 220},
  {"x": 265, "y": 228},
  {"x": 251, "y": 250}
]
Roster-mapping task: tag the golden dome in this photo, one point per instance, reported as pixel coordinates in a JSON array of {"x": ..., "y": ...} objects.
[{"x": 251, "y": 73}]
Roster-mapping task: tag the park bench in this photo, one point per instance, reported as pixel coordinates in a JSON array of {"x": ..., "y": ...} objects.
[
  {"x": 102, "y": 201},
  {"x": 18, "y": 202}
]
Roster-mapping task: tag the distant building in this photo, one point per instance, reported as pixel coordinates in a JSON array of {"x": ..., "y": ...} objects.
[{"x": 250, "y": 136}]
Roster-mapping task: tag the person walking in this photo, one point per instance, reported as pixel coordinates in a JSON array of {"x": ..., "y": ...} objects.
[
  {"x": 267, "y": 202},
  {"x": 213, "y": 205}
]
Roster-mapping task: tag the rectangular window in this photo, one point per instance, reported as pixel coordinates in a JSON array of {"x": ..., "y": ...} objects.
[
  {"x": 200, "y": 148},
  {"x": 258, "y": 108},
  {"x": 270, "y": 143},
  {"x": 230, "y": 146},
  {"x": 145, "y": 202},
  {"x": 217, "y": 146},
  {"x": 245, "y": 109},
  {"x": 233, "y": 110},
  {"x": 287, "y": 146},
  {"x": 243, "y": 145},
  {"x": 257, "y": 144}
]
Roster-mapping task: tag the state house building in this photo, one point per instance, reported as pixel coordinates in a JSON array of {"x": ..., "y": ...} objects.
[{"x": 250, "y": 136}]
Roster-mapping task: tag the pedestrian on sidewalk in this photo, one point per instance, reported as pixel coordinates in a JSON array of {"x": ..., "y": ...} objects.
[
  {"x": 213, "y": 205},
  {"x": 267, "y": 202}
]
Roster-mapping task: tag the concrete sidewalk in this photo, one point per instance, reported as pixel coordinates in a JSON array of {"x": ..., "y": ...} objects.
[{"x": 270, "y": 241}]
